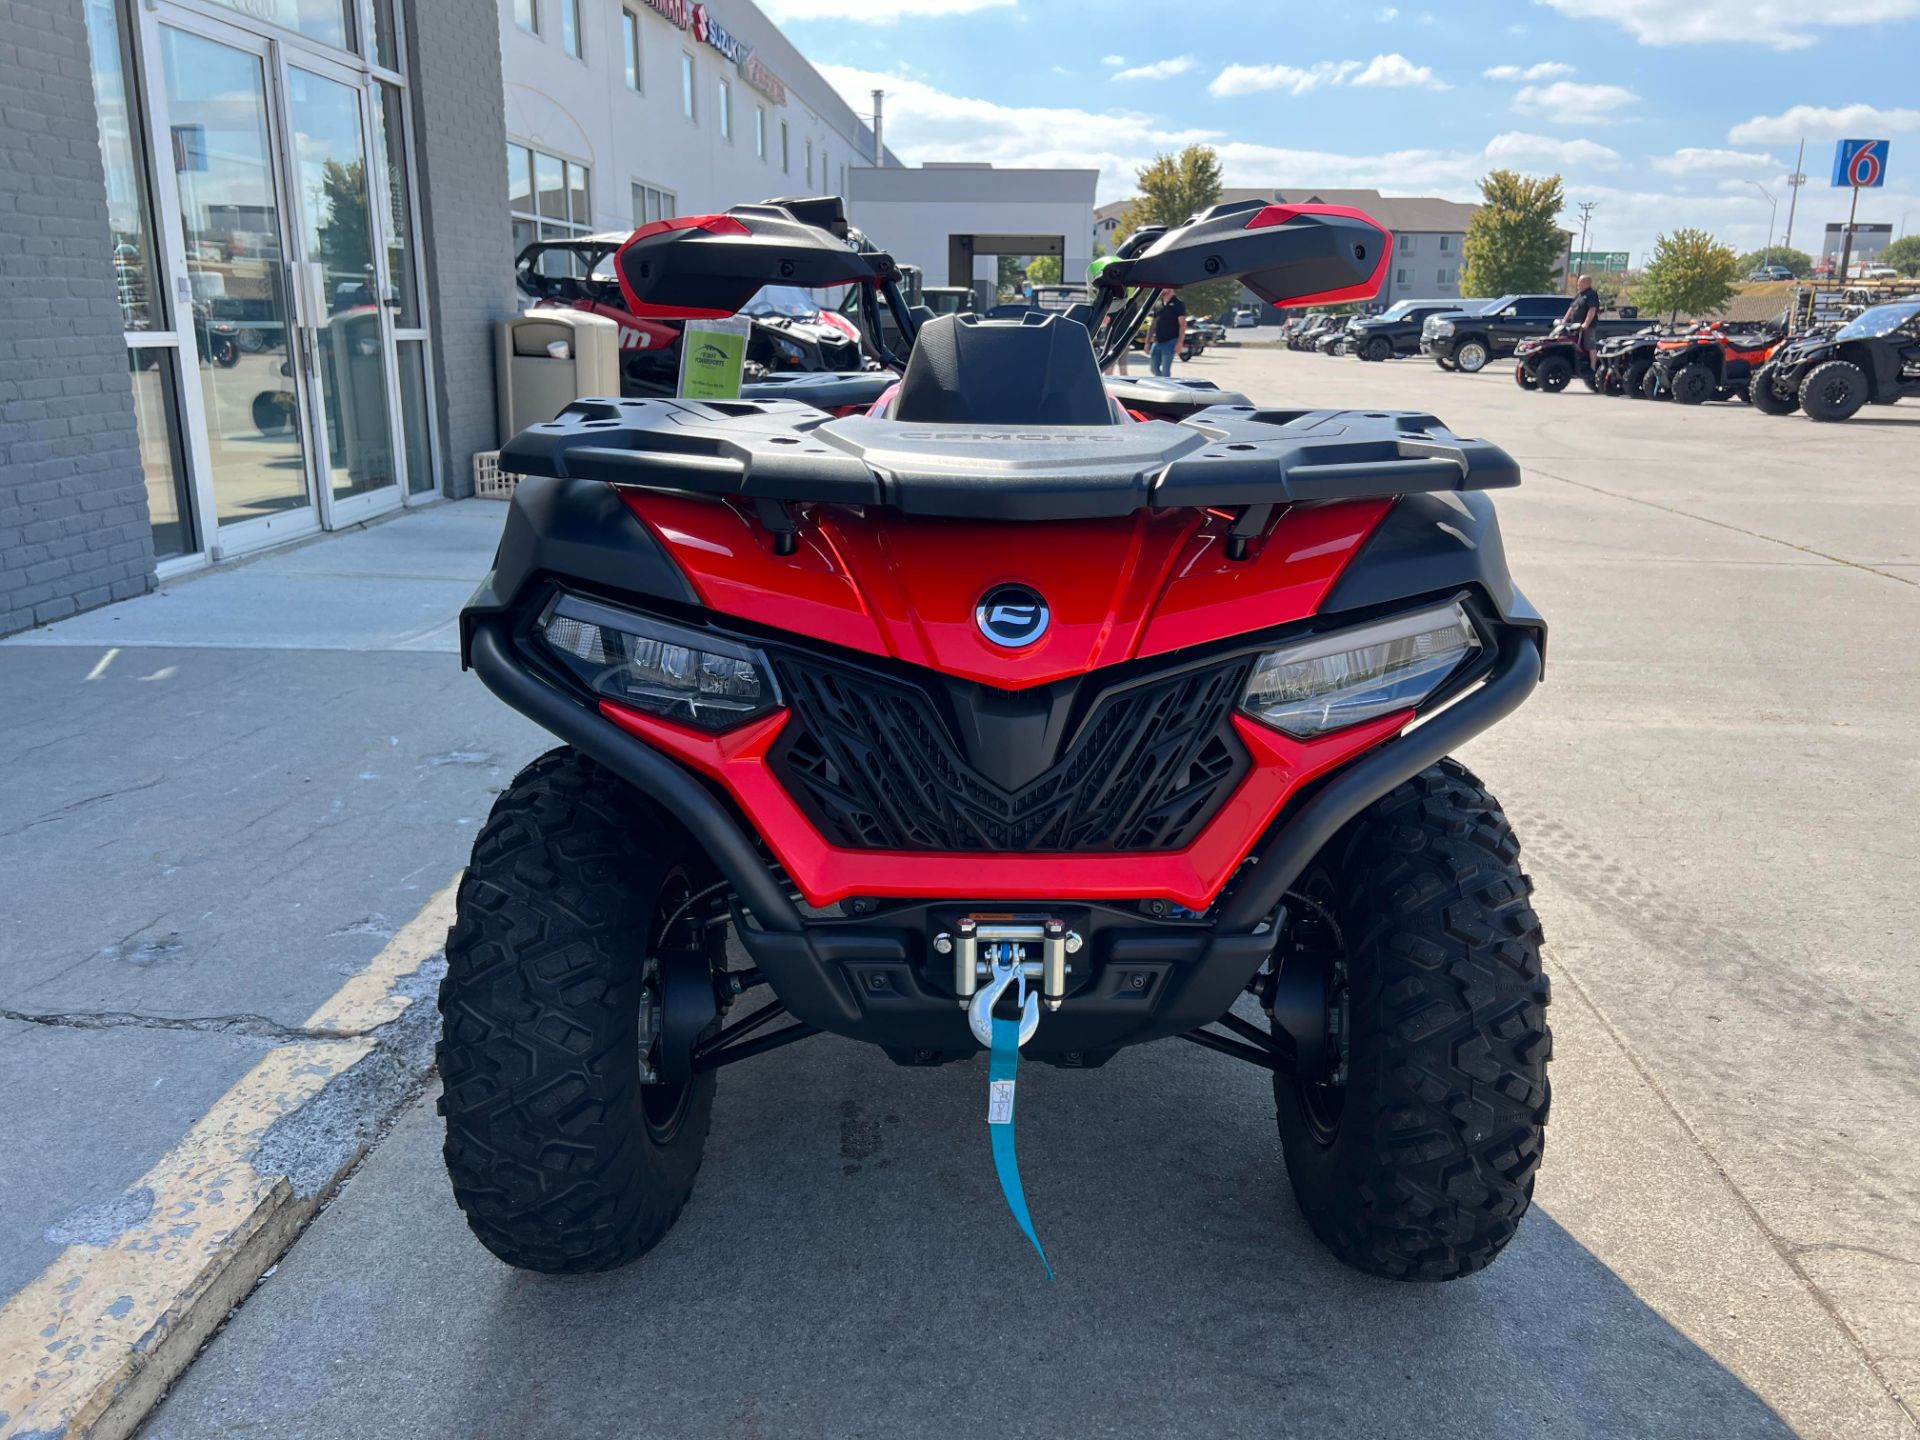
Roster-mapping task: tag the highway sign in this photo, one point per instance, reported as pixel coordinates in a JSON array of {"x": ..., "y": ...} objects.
[
  {"x": 1860, "y": 163},
  {"x": 1603, "y": 262}
]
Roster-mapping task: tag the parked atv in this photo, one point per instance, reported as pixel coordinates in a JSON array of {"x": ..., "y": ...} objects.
[
  {"x": 861, "y": 697},
  {"x": 1872, "y": 359},
  {"x": 1551, "y": 361},
  {"x": 1709, "y": 363},
  {"x": 1621, "y": 362}
]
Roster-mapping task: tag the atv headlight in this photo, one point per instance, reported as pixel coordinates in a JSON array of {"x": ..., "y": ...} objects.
[
  {"x": 786, "y": 352},
  {"x": 1332, "y": 681},
  {"x": 681, "y": 674}
]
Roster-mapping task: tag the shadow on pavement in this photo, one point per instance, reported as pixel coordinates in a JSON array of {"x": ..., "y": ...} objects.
[{"x": 846, "y": 1267}]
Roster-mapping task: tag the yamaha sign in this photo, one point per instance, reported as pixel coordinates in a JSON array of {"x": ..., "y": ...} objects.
[{"x": 709, "y": 31}]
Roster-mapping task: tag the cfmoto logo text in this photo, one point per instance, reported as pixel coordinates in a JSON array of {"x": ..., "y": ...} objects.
[{"x": 1011, "y": 616}]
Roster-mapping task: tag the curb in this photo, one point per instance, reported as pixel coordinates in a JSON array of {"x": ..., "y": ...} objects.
[{"x": 90, "y": 1346}]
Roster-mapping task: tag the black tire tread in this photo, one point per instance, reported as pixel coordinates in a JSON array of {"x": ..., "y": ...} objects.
[
  {"x": 1450, "y": 1040},
  {"x": 538, "y": 1056}
]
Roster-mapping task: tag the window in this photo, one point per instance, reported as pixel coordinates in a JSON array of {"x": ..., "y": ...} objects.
[
  {"x": 686, "y": 87},
  {"x": 1399, "y": 278},
  {"x": 1440, "y": 278},
  {"x": 630, "y": 34},
  {"x": 549, "y": 199},
  {"x": 760, "y": 131},
  {"x": 651, "y": 203},
  {"x": 786, "y": 163},
  {"x": 726, "y": 111},
  {"x": 1446, "y": 244},
  {"x": 526, "y": 14},
  {"x": 1405, "y": 242},
  {"x": 570, "y": 27}
]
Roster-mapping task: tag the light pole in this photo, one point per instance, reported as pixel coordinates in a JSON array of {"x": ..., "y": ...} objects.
[
  {"x": 1586, "y": 208},
  {"x": 1773, "y": 213},
  {"x": 1795, "y": 180}
]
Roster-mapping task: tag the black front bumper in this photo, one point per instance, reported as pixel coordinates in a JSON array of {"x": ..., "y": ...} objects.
[{"x": 876, "y": 978}]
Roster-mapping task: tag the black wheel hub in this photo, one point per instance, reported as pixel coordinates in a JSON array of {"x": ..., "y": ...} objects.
[
  {"x": 663, "y": 1105},
  {"x": 1310, "y": 1007}
]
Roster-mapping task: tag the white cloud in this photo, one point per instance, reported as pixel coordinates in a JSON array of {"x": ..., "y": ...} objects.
[
  {"x": 1393, "y": 69},
  {"x": 925, "y": 123},
  {"x": 1295, "y": 80},
  {"x": 1113, "y": 59},
  {"x": 1398, "y": 72},
  {"x": 1569, "y": 103},
  {"x": 1389, "y": 15},
  {"x": 1817, "y": 122},
  {"x": 1778, "y": 24},
  {"x": 785, "y": 12},
  {"x": 1158, "y": 70},
  {"x": 1516, "y": 147},
  {"x": 1691, "y": 160},
  {"x": 1545, "y": 70}
]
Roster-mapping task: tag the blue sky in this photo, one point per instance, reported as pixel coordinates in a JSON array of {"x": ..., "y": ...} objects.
[{"x": 1659, "y": 111}]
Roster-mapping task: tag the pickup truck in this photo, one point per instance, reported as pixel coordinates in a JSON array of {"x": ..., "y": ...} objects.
[
  {"x": 1466, "y": 340},
  {"x": 1396, "y": 330}
]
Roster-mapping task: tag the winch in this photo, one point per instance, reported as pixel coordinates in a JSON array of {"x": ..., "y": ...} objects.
[{"x": 994, "y": 948}]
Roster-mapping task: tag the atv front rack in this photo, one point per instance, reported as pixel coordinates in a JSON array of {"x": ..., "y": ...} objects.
[{"x": 1226, "y": 457}]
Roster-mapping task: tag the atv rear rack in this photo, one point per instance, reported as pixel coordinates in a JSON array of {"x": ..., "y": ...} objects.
[{"x": 1235, "y": 457}]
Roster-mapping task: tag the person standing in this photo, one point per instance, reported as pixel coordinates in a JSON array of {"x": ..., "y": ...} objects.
[
  {"x": 1580, "y": 316},
  {"x": 1169, "y": 334}
]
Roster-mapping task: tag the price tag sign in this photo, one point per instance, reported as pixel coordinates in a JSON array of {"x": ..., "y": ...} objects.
[{"x": 713, "y": 358}]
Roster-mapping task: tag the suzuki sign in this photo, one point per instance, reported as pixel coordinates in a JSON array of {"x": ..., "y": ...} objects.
[
  {"x": 1860, "y": 163},
  {"x": 709, "y": 31}
]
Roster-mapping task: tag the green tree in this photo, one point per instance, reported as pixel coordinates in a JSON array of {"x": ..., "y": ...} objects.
[
  {"x": 1903, "y": 254},
  {"x": 1173, "y": 188},
  {"x": 1514, "y": 240},
  {"x": 1690, "y": 273},
  {"x": 1008, "y": 275},
  {"x": 1798, "y": 261},
  {"x": 344, "y": 239},
  {"x": 1045, "y": 270}
]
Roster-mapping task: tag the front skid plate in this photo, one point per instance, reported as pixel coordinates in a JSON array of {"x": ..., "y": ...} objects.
[{"x": 884, "y": 985}]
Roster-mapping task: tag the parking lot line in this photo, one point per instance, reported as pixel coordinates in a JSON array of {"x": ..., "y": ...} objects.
[{"x": 91, "y": 1344}]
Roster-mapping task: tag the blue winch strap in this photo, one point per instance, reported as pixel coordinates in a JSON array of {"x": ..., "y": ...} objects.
[{"x": 1002, "y": 1067}]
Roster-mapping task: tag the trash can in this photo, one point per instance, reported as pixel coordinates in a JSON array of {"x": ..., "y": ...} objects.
[{"x": 547, "y": 359}]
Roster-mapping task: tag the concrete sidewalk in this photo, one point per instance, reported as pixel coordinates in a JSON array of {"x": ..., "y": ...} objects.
[{"x": 223, "y": 800}]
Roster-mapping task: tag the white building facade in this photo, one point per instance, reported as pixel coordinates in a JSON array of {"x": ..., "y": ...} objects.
[
  {"x": 619, "y": 112},
  {"x": 953, "y": 220}
]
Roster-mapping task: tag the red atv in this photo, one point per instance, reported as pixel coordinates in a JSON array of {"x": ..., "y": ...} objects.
[
  {"x": 795, "y": 347},
  {"x": 1711, "y": 363},
  {"x": 1007, "y": 717}
]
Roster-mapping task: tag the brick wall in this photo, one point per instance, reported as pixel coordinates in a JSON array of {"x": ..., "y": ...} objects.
[
  {"x": 459, "y": 120},
  {"x": 73, "y": 505}
]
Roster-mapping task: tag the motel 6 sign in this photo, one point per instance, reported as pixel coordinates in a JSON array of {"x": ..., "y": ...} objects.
[{"x": 1860, "y": 163}]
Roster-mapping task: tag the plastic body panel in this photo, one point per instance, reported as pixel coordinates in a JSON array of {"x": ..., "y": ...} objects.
[
  {"x": 905, "y": 587},
  {"x": 824, "y": 873}
]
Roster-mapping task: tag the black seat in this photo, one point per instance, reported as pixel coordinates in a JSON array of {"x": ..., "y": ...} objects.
[{"x": 1038, "y": 370}]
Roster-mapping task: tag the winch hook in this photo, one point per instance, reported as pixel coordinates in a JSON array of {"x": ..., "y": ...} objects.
[{"x": 1007, "y": 965}]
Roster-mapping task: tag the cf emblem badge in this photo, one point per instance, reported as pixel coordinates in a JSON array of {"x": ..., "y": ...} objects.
[{"x": 1012, "y": 616}]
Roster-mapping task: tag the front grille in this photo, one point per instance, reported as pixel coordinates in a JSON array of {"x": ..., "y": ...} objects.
[{"x": 875, "y": 768}]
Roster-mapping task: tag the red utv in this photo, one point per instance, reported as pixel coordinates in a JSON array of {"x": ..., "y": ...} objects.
[{"x": 1000, "y": 716}]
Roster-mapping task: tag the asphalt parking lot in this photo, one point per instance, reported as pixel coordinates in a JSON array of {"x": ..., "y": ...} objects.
[{"x": 1716, "y": 788}]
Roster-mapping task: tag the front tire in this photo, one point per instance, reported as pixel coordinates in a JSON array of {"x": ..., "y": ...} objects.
[
  {"x": 1833, "y": 390},
  {"x": 1693, "y": 384},
  {"x": 561, "y": 1158},
  {"x": 1420, "y": 1165},
  {"x": 1633, "y": 380},
  {"x": 1471, "y": 357},
  {"x": 1553, "y": 373},
  {"x": 1653, "y": 383},
  {"x": 1378, "y": 348}
]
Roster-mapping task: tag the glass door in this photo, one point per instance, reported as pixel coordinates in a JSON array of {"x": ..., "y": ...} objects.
[
  {"x": 251, "y": 449},
  {"x": 347, "y": 328}
]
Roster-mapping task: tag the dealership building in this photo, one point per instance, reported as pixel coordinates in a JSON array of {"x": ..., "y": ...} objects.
[{"x": 255, "y": 250}]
